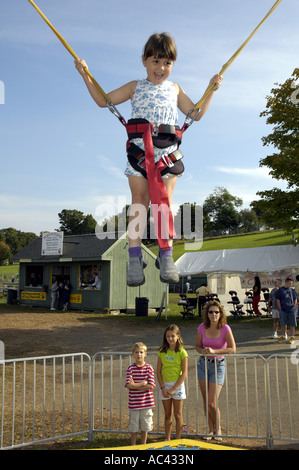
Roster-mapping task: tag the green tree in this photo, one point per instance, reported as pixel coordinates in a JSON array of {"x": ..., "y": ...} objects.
[
  {"x": 281, "y": 208},
  {"x": 16, "y": 239},
  {"x": 4, "y": 252},
  {"x": 249, "y": 221},
  {"x": 220, "y": 211},
  {"x": 74, "y": 222}
]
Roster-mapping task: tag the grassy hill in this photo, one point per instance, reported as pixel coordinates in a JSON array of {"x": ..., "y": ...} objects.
[{"x": 250, "y": 240}]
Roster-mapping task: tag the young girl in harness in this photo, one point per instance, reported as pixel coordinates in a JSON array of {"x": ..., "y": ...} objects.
[{"x": 154, "y": 100}]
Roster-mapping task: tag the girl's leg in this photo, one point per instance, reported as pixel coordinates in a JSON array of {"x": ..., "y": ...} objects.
[
  {"x": 170, "y": 183},
  {"x": 138, "y": 209},
  {"x": 178, "y": 414},
  {"x": 202, "y": 386},
  {"x": 255, "y": 303},
  {"x": 214, "y": 412},
  {"x": 168, "y": 271},
  {"x": 167, "y": 404},
  {"x": 137, "y": 224}
]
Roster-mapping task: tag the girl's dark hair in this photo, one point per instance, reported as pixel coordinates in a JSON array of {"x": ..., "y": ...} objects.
[
  {"x": 257, "y": 281},
  {"x": 160, "y": 46},
  {"x": 179, "y": 343},
  {"x": 222, "y": 318}
]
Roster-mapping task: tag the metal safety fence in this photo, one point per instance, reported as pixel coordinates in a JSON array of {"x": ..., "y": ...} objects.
[{"x": 52, "y": 397}]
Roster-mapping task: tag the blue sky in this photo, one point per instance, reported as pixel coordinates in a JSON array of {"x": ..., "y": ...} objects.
[{"x": 59, "y": 150}]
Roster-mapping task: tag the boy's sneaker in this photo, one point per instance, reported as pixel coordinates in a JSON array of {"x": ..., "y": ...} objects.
[
  {"x": 168, "y": 271},
  {"x": 282, "y": 338},
  {"x": 274, "y": 336},
  {"x": 135, "y": 275}
]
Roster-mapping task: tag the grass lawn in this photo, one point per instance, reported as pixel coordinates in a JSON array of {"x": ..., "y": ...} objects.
[
  {"x": 9, "y": 270},
  {"x": 250, "y": 240}
]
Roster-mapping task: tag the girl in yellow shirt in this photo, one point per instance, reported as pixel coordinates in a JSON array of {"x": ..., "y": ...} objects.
[{"x": 172, "y": 370}]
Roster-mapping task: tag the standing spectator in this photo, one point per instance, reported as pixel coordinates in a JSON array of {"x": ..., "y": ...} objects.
[
  {"x": 172, "y": 369},
  {"x": 272, "y": 306},
  {"x": 256, "y": 296},
  {"x": 59, "y": 296},
  {"x": 201, "y": 293},
  {"x": 286, "y": 301},
  {"x": 214, "y": 339},
  {"x": 66, "y": 294},
  {"x": 140, "y": 382},
  {"x": 296, "y": 287},
  {"x": 54, "y": 295}
]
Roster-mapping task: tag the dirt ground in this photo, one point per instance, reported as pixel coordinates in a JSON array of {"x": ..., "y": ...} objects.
[
  {"x": 32, "y": 332},
  {"x": 27, "y": 333}
]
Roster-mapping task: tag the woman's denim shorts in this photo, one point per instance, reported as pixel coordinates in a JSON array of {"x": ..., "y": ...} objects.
[{"x": 220, "y": 369}]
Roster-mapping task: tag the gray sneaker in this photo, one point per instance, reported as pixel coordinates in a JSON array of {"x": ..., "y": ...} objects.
[
  {"x": 135, "y": 275},
  {"x": 168, "y": 271}
]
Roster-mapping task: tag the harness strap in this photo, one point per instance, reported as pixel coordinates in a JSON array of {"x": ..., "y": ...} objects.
[
  {"x": 135, "y": 126},
  {"x": 136, "y": 157},
  {"x": 163, "y": 219}
]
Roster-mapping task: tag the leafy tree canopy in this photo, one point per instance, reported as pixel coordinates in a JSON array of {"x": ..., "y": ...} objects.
[{"x": 281, "y": 208}]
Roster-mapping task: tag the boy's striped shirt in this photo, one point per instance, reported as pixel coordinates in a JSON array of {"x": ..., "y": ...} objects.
[{"x": 139, "y": 399}]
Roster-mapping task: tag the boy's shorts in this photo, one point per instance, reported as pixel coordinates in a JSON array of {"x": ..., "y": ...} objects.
[
  {"x": 287, "y": 317},
  {"x": 141, "y": 420}
]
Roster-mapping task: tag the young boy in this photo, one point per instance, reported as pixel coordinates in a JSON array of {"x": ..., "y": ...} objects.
[{"x": 140, "y": 382}]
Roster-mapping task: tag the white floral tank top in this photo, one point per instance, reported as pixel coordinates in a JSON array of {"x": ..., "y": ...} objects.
[{"x": 157, "y": 104}]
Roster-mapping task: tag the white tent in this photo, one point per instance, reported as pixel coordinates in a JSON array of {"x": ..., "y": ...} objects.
[
  {"x": 246, "y": 260},
  {"x": 235, "y": 269}
]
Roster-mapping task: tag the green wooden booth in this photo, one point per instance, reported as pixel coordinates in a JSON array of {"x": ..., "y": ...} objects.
[{"x": 96, "y": 270}]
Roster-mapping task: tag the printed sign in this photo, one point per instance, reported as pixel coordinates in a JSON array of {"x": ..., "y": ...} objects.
[
  {"x": 26, "y": 295},
  {"x": 52, "y": 244}
]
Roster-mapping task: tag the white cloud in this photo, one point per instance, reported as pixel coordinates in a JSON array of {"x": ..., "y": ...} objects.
[{"x": 250, "y": 172}]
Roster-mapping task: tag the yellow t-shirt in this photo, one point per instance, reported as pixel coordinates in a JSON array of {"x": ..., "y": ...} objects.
[
  {"x": 172, "y": 364},
  {"x": 203, "y": 290}
]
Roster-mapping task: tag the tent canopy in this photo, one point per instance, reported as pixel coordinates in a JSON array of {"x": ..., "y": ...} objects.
[{"x": 254, "y": 260}]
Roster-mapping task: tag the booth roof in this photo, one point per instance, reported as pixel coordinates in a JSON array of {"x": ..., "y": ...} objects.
[
  {"x": 74, "y": 246},
  {"x": 254, "y": 260}
]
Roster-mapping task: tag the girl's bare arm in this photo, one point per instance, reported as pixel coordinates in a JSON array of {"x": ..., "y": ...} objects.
[{"x": 118, "y": 96}]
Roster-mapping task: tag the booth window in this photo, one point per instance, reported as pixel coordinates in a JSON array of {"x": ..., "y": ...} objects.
[
  {"x": 90, "y": 277},
  {"x": 60, "y": 272},
  {"x": 34, "y": 275}
]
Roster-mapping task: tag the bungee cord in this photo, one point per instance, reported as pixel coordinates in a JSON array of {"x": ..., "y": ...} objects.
[
  {"x": 109, "y": 103},
  {"x": 199, "y": 104}
]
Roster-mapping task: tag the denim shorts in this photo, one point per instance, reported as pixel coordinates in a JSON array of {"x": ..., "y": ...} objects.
[
  {"x": 288, "y": 317},
  {"x": 211, "y": 369}
]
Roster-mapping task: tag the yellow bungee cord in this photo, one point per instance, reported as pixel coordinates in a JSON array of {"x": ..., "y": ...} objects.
[
  {"x": 197, "y": 106},
  {"x": 109, "y": 103}
]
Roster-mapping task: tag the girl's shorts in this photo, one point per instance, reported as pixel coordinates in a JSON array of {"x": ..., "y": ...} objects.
[
  {"x": 141, "y": 420},
  {"x": 211, "y": 370},
  {"x": 130, "y": 171},
  {"x": 179, "y": 394}
]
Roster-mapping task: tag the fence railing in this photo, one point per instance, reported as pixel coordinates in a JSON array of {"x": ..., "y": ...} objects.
[{"x": 52, "y": 397}]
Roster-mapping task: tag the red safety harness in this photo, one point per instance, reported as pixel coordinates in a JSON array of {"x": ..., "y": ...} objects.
[
  {"x": 144, "y": 161},
  {"x": 159, "y": 198}
]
